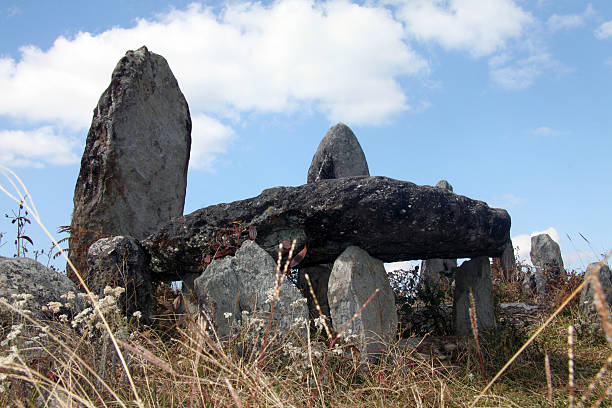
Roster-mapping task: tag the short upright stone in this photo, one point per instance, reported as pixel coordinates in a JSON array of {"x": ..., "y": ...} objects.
[
  {"x": 587, "y": 296},
  {"x": 546, "y": 257},
  {"x": 246, "y": 283},
  {"x": 339, "y": 155},
  {"x": 354, "y": 278},
  {"x": 134, "y": 169},
  {"x": 433, "y": 271},
  {"x": 474, "y": 274},
  {"x": 121, "y": 261}
]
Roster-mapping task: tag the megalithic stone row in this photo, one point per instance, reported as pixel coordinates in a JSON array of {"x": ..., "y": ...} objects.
[
  {"x": 392, "y": 220},
  {"x": 134, "y": 168}
]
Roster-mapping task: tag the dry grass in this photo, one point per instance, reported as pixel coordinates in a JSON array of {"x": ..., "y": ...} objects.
[{"x": 104, "y": 360}]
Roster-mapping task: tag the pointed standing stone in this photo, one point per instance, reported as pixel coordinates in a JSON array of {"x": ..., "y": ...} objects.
[
  {"x": 546, "y": 257},
  {"x": 134, "y": 169},
  {"x": 339, "y": 155}
]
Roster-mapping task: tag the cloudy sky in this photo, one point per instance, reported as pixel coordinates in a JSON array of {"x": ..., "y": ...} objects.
[{"x": 509, "y": 100}]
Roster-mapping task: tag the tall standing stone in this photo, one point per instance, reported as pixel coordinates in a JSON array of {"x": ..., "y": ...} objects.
[
  {"x": 474, "y": 274},
  {"x": 339, "y": 155},
  {"x": 433, "y": 270},
  {"x": 354, "y": 278},
  {"x": 133, "y": 173},
  {"x": 546, "y": 257}
]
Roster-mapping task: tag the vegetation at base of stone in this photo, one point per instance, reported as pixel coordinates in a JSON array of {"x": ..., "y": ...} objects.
[{"x": 423, "y": 308}]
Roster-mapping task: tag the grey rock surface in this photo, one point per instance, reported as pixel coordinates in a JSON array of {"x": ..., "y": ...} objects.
[
  {"x": 339, "y": 155},
  {"x": 390, "y": 219},
  {"x": 546, "y": 257},
  {"x": 444, "y": 185},
  {"x": 475, "y": 274},
  {"x": 26, "y": 276},
  {"x": 134, "y": 168},
  {"x": 508, "y": 260},
  {"x": 587, "y": 295},
  {"x": 246, "y": 282},
  {"x": 121, "y": 261},
  {"x": 432, "y": 270},
  {"x": 354, "y": 278}
]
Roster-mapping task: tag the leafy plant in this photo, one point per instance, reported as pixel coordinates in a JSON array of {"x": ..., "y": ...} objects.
[{"x": 20, "y": 219}]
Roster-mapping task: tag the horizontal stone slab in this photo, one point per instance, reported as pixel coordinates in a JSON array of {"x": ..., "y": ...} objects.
[{"x": 390, "y": 219}]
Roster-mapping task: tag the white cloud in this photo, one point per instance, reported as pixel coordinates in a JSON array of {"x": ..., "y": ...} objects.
[
  {"x": 545, "y": 131},
  {"x": 209, "y": 138},
  {"x": 479, "y": 27},
  {"x": 512, "y": 201},
  {"x": 250, "y": 57},
  {"x": 604, "y": 30},
  {"x": 558, "y": 22},
  {"x": 523, "y": 242},
  {"x": 404, "y": 265},
  {"x": 36, "y": 148},
  {"x": 517, "y": 75}
]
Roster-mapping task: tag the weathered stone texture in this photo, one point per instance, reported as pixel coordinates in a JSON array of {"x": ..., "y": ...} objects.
[
  {"x": 134, "y": 169},
  {"x": 392, "y": 220},
  {"x": 121, "y": 261},
  {"x": 474, "y": 274},
  {"x": 355, "y": 276},
  {"x": 587, "y": 296},
  {"x": 319, "y": 279},
  {"x": 246, "y": 282},
  {"x": 26, "y": 276},
  {"x": 339, "y": 155},
  {"x": 546, "y": 257}
]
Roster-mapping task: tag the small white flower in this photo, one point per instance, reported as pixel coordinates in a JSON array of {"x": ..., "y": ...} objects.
[
  {"x": 227, "y": 315},
  {"x": 137, "y": 314}
]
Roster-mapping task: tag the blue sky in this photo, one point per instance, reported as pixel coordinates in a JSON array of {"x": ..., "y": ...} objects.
[{"x": 508, "y": 100}]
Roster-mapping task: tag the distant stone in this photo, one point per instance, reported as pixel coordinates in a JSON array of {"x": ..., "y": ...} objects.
[
  {"x": 587, "y": 296},
  {"x": 19, "y": 276},
  {"x": 390, "y": 219},
  {"x": 245, "y": 283},
  {"x": 436, "y": 270},
  {"x": 444, "y": 185},
  {"x": 546, "y": 257},
  {"x": 121, "y": 261},
  {"x": 474, "y": 274},
  {"x": 354, "y": 278},
  {"x": 339, "y": 155},
  {"x": 134, "y": 169}
]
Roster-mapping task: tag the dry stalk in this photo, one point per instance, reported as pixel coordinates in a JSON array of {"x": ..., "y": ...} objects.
[
  {"x": 475, "y": 333},
  {"x": 318, "y": 307},
  {"x": 570, "y": 365},
  {"x": 602, "y": 371},
  {"x": 548, "y": 378},
  {"x": 29, "y": 205}
]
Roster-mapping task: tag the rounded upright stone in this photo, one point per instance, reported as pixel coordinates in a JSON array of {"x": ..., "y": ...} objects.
[
  {"x": 588, "y": 293},
  {"x": 355, "y": 276},
  {"x": 444, "y": 185},
  {"x": 474, "y": 274},
  {"x": 133, "y": 173},
  {"x": 339, "y": 155}
]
